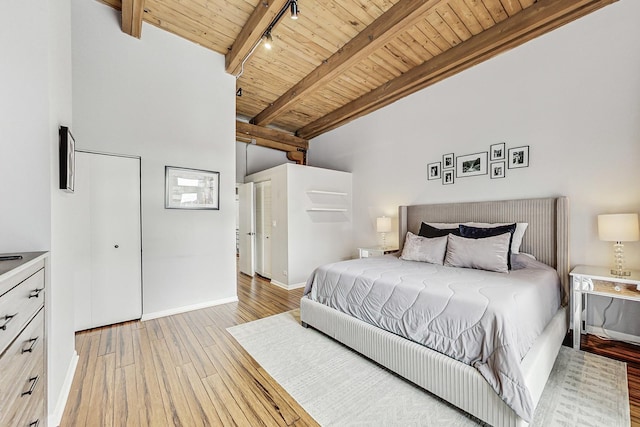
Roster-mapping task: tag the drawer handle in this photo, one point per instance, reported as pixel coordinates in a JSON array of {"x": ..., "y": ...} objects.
[
  {"x": 30, "y": 348},
  {"x": 35, "y": 423},
  {"x": 33, "y": 381},
  {"x": 35, "y": 293},
  {"x": 7, "y": 319}
]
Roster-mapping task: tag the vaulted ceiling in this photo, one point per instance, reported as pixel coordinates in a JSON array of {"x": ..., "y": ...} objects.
[{"x": 343, "y": 59}]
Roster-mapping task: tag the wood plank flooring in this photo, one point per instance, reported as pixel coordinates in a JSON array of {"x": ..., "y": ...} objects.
[{"x": 186, "y": 370}]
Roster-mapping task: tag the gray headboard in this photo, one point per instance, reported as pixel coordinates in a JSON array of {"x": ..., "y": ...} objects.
[{"x": 547, "y": 237}]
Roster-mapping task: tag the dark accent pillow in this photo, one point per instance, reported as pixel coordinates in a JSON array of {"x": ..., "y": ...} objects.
[
  {"x": 479, "y": 233},
  {"x": 428, "y": 231}
]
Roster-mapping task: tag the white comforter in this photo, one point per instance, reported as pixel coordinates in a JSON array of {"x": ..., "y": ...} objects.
[{"x": 484, "y": 319}]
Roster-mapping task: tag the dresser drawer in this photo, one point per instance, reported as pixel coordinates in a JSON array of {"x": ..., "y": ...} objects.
[
  {"x": 22, "y": 375},
  {"x": 18, "y": 306},
  {"x": 11, "y": 278}
]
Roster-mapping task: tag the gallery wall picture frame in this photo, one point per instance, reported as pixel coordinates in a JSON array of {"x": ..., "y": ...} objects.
[
  {"x": 497, "y": 170},
  {"x": 448, "y": 161},
  {"x": 497, "y": 152},
  {"x": 187, "y": 188},
  {"x": 471, "y": 165},
  {"x": 447, "y": 177},
  {"x": 518, "y": 157},
  {"x": 434, "y": 170},
  {"x": 67, "y": 151}
]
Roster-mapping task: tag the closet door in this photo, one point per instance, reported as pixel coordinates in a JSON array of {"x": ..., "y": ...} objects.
[
  {"x": 111, "y": 289},
  {"x": 246, "y": 229},
  {"x": 263, "y": 229}
]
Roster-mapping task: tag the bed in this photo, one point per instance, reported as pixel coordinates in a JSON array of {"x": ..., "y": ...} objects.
[{"x": 454, "y": 381}]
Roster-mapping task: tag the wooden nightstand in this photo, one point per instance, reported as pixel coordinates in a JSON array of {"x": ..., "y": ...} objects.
[
  {"x": 589, "y": 280},
  {"x": 370, "y": 252}
]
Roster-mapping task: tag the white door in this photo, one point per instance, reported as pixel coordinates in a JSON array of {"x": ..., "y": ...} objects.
[
  {"x": 111, "y": 292},
  {"x": 263, "y": 229},
  {"x": 247, "y": 229}
]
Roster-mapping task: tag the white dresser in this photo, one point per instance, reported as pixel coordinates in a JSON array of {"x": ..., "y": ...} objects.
[{"x": 22, "y": 341}]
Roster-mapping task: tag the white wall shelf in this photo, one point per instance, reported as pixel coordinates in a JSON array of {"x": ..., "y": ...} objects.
[{"x": 327, "y": 193}]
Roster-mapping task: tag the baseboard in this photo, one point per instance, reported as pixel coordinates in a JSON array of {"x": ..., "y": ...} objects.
[
  {"x": 288, "y": 287},
  {"x": 184, "y": 309},
  {"x": 56, "y": 416},
  {"x": 618, "y": 336}
]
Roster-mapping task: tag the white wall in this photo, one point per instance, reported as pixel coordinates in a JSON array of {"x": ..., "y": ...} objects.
[
  {"x": 571, "y": 95},
  {"x": 60, "y": 322},
  {"x": 25, "y": 194},
  {"x": 35, "y": 97},
  {"x": 251, "y": 158},
  {"x": 170, "y": 102},
  {"x": 302, "y": 240}
]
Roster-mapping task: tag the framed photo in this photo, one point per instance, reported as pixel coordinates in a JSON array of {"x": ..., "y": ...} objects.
[
  {"x": 67, "y": 152},
  {"x": 497, "y": 151},
  {"x": 433, "y": 170},
  {"x": 497, "y": 170},
  {"x": 447, "y": 161},
  {"x": 471, "y": 165},
  {"x": 447, "y": 177},
  {"x": 518, "y": 157},
  {"x": 191, "y": 188}
]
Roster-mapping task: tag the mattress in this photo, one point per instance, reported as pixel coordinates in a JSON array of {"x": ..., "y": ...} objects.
[{"x": 484, "y": 319}]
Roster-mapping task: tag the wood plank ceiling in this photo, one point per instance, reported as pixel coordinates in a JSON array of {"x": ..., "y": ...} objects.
[{"x": 343, "y": 59}]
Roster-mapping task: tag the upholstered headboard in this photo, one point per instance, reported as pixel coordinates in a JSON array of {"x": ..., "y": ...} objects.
[{"x": 547, "y": 236}]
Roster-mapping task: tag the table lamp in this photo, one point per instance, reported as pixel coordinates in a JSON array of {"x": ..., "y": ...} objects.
[
  {"x": 618, "y": 228},
  {"x": 383, "y": 225}
]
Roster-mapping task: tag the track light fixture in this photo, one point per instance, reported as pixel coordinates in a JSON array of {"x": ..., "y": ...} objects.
[
  {"x": 268, "y": 40},
  {"x": 291, "y": 4}
]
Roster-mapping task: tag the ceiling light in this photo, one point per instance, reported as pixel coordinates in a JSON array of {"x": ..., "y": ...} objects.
[
  {"x": 268, "y": 40},
  {"x": 294, "y": 9}
]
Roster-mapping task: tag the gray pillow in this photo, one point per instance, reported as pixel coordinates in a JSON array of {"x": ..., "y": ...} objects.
[
  {"x": 418, "y": 248},
  {"x": 489, "y": 253}
]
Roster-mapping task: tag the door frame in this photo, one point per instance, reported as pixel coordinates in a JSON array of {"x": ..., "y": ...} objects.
[{"x": 128, "y": 156}]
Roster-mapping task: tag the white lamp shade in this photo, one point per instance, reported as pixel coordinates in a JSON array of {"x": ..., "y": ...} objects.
[
  {"x": 618, "y": 227},
  {"x": 383, "y": 224}
]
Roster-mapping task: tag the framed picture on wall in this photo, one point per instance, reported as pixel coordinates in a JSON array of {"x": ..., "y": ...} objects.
[
  {"x": 447, "y": 177},
  {"x": 434, "y": 170},
  {"x": 191, "y": 188},
  {"x": 67, "y": 151},
  {"x": 497, "y": 170},
  {"x": 471, "y": 165},
  {"x": 447, "y": 161},
  {"x": 518, "y": 157},
  {"x": 497, "y": 152}
]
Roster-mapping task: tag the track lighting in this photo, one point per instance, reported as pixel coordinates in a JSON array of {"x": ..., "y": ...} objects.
[
  {"x": 294, "y": 9},
  {"x": 268, "y": 40}
]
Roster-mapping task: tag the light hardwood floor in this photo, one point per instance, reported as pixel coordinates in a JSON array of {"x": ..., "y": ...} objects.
[
  {"x": 186, "y": 370},
  {"x": 182, "y": 370}
]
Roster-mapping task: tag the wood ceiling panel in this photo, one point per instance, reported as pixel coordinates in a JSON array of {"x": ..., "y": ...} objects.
[
  {"x": 344, "y": 58},
  {"x": 465, "y": 14},
  {"x": 481, "y": 13}
]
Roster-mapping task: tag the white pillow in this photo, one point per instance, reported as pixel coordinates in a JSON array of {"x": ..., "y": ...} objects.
[
  {"x": 521, "y": 227},
  {"x": 418, "y": 248},
  {"x": 489, "y": 253}
]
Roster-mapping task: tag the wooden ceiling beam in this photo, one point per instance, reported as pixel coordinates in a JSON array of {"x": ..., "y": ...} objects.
[
  {"x": 132, "y": 14},
  {"x": 251, "y": 33},
  {"x": 271, "y": 138},
  {"x": 538, "y": 19},
  {"x": 400, "y": 16}
]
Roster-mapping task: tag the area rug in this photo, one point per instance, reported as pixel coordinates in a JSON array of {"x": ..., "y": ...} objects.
[{"x": 338, "y": 387}]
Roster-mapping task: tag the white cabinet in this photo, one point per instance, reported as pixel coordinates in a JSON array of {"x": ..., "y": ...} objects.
[{"x": 22, "y": 339}]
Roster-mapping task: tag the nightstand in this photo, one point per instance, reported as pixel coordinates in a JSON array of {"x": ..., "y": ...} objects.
[
  {"x": 370, "y": 252},
  {"x": 587, "y": 280}
]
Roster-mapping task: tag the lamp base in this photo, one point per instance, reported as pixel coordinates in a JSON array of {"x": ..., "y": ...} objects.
[{"x": 620, "y": 272}]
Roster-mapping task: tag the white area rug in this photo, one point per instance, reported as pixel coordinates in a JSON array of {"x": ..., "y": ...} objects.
[{"x": 338, "y": 387}]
